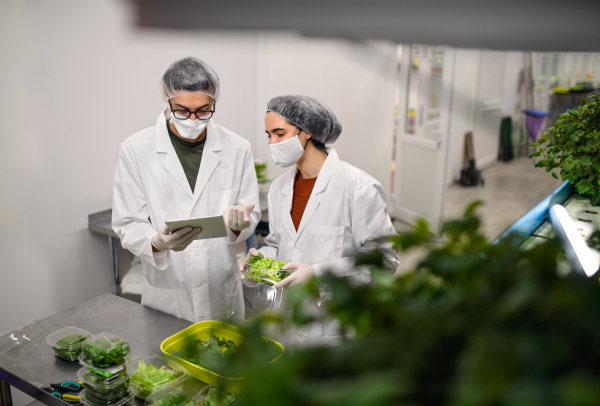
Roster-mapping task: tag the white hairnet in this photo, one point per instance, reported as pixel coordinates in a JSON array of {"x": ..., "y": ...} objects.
[
  {"x": 190, "y": 75},
  {"x": 308, "y": 114}
]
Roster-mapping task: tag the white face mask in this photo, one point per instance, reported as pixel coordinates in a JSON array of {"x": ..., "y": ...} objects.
[
  {"x": 287, "y": 153},
  {"x": 189, "y": 129}
]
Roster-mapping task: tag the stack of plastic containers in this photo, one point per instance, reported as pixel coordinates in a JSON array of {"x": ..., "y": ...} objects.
[
  {"x": 67, "y": 342},
  {"x": 152, "y": 373},
  {"x": 104, "y": 373}
]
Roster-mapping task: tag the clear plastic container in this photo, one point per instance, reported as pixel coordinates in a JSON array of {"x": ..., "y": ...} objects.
[
  {"x": 125, "y": 400},
  {"x": 104, "y": 350},
  {"x": 151, "y": 373},
  {"x": 169, "y": 396},
  {"x": 260, "y": 298},
  {"x": 94, "y": 380},
  {"x": 206, "y": 394},
  {"x": 106, "y": 395},
  {"x": 267, "y": 272},
  {"x": 67, "y": 342}
]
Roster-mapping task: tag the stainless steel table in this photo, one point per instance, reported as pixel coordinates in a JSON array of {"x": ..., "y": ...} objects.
[
  {"x": 142, "y": 327},
  {"x": 101, "y": 223}
]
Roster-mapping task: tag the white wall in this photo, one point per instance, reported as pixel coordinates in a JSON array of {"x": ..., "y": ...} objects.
[
  {"x": 355, "y": 79},
  {"x": 464, "y": 98},
  {"x": 470, "y": 87},
  {"x": 80, "y": 78},
  {"x": 77, "y": 79}
]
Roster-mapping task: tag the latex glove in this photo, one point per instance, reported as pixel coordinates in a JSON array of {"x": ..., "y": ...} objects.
[
  {"x": 177, "y": 241},
  {"x": 300, "y": 276},
  {"x": 251, "y": 253},
  {"x": 237, "y": 218}
]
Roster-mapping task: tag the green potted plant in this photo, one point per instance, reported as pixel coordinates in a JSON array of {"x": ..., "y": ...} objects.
[
  {"x": 573, "y": 146},
  {"x": 475, "y": 324}
]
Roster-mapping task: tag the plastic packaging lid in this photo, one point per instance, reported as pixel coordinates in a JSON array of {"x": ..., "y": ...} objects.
[
  {"x": 168, "y": 395},
  {"x": 91, "y": 400},
  {"x": 68, "y": 338},
  {"x": 107, "y": 371},
  {"x": 100, "y": 381},
  {"x": 104, "y": 350},
  {"x": 153, "y": 372}
]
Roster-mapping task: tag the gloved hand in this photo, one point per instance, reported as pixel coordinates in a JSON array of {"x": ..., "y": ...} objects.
[
  {"x": 301, "y": 275},
  {"x": 177, "y": 241},
  {"x": 251, "y": 253},
  {"x": 237, "y": 218}
]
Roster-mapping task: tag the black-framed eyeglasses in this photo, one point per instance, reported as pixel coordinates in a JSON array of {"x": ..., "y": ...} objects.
[{"x": 186, "y": 114}]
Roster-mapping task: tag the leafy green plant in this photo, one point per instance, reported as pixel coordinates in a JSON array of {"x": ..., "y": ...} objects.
[
  {"x": 475, "y": 324},
  {"x": 261, "y": 172},
  {"x": 105, "y": 352},
  {"x": 172, "y": 399},
  {"x": 217, "y": 397},
  {"x": 573, "y": 146},
  {"x": 107, "y": 394},
  {"x": 269, "y": 268},
  {"x": 69, "y": 347},
  {"x": 104, "y": 382},
  {"x": 148, "y": 378},
  {"x": 207, "y": 352}
]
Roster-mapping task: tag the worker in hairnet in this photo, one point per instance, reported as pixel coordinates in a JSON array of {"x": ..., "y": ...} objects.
[
  {"x": 323, "y": 211},
  {"x": 187, "y": 166}
]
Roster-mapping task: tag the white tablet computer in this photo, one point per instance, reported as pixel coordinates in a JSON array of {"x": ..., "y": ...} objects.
[{"x": 212, "y": 227}]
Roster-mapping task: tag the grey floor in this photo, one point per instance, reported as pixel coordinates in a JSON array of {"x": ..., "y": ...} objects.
[{"x": 511, "y": 189}]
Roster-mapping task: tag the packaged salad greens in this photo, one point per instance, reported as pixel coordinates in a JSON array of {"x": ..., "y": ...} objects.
[
  {"x": 67, "y": 342},
  {"x": 104, "y": 350},
  {"x": 265, "y": 269},
  {"x": 213, "y": 396},
  {"x": 126, "y": 399},
  {"x": 153, "y": 372},
  {"x": 169, "y": 396},
  {"x": 107, "y": 394},
  {"x": 101, "y": 382}
]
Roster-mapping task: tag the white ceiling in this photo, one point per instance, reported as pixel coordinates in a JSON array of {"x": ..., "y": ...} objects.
[{"x": 534, "y": 25}]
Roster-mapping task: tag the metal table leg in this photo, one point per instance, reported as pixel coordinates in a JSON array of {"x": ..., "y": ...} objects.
[
  {"x": 5, "y": 395},
  {"x": 114, "y": 264}
]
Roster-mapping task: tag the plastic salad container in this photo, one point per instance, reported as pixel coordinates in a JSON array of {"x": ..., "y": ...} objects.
[
  {"x": 101, "y": 386},
  {"x": 169, "y": 396},
  {"x": 265, "y": 269},
  {"x": 67, "y": 342},
  {"x": 202, "y": 330},
  {"x": 260, "y": 298},
  {"x": 101, "y": 378},
  {"x": 104, "y": 350},
  {"x": 153, "y": 372},
  {"x": 126, "y": 399},
  {"x": 210, "y": 395},
  {"x": 108, "y": 394}
]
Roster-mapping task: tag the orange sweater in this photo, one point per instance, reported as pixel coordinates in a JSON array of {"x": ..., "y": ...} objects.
[{"x": 302, "y": 190}]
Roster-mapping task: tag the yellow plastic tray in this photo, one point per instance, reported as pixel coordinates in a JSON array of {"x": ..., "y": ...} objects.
[{"x": 227, "y": 331}]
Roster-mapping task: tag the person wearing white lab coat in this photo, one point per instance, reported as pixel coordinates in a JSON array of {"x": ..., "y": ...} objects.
[
  {"x": 320, "y": 230},
  {"x": 187, "y": 166}
]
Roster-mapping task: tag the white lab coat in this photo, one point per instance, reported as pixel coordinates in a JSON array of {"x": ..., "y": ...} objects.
[
  {"x": 345, "y": 214},
  {"x": 202, "y": 282}
]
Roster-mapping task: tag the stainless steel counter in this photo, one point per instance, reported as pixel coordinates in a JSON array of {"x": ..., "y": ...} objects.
[{"x": 142, "y": 327}]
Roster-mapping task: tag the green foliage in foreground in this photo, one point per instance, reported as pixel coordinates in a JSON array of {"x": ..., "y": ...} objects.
[
  {"x": 475, "y": 324},
  {"x": 573, "y": 146}
]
